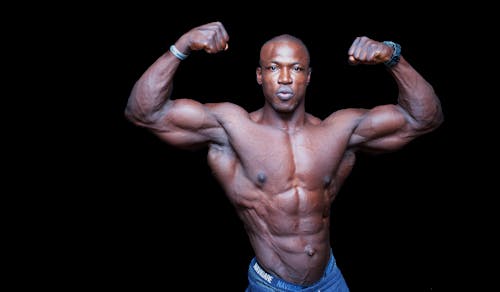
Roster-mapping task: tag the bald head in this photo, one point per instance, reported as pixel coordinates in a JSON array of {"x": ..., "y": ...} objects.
[{"x": 284, "y": 39}]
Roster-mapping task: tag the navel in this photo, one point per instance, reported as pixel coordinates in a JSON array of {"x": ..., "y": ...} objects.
[{"x": 310, "y": 251}]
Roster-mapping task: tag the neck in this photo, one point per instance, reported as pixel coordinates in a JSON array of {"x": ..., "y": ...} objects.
[{"x": 287, "y": 121}]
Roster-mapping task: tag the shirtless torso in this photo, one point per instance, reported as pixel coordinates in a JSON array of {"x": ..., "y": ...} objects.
[{"x": 282, "y": 184}]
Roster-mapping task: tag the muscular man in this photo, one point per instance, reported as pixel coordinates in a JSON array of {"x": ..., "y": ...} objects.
[{"x": 280, "y": 166}]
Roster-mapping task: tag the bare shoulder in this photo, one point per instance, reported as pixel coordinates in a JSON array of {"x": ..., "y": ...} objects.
[
  {"x": 225, "y": 110},
  {"x": 312, "y": 120},
  {"x": 347, "y": 116}
]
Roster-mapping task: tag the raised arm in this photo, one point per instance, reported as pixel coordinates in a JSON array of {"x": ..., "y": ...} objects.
[
  {"x": 181, "y": 122},
  {"x": 418, "y": 110}
]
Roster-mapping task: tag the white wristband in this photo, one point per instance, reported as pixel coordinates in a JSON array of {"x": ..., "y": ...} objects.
[{"x": 177, "y": 53}]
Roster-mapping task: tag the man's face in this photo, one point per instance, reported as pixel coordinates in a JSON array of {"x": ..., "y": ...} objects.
[{"x": 284, "y": 74}]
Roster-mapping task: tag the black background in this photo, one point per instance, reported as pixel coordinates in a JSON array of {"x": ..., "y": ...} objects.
[{"x": 136, "y": 213}]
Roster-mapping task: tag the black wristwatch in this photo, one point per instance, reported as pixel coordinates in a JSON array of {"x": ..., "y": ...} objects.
[{"x": 396, "y": 54}]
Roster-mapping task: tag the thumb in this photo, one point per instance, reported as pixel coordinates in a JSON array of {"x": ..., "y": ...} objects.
[{"x": 352, "y": 60}]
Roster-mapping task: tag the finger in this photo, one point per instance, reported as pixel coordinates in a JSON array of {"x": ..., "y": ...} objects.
[
  {"x": 222, "y": 37},
  {"x": 376, "y": 55},
  {"x": 217, "y": 41},
  {"x": 353, "y": 46},
  {"x": 225, "y": 35},
  {"x": 361, "y": 51},
  {"x": 353, "y": 60},
  {"x": 210, "y": 32},
  {"x": 357, "y": 52}
]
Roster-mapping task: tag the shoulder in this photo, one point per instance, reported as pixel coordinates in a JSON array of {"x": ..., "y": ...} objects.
[
  {"x": 227, "y": 110},
  {"x": 312, "y": 120},
  {"x": 226, "y": 107},
  {"x": 349, "y": 115}
]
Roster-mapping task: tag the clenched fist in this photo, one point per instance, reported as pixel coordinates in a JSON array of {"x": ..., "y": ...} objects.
[
  {"x": 211, "y": 37},
  {"x": 367, "y": 51}
]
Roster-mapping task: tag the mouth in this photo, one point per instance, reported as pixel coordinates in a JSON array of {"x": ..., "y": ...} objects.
[
  {"x": 284, "y": 93},
  {"x": 284, "y": 96}
]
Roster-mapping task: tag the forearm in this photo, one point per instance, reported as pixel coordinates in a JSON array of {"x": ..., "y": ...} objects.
[
  {"x": 151, "y": 92},
  {"x": 417, "y": 97}
]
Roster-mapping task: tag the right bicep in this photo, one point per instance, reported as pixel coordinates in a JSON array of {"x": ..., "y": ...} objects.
[{"x": 187, "y": 123}]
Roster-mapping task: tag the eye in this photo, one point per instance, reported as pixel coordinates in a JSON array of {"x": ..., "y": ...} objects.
[
  {"x": 273, "y": 68},
  {"x": 298, "y": 68}
]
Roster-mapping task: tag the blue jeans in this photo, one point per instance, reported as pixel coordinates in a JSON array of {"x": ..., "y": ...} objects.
[{"x": 261, "y": 281}]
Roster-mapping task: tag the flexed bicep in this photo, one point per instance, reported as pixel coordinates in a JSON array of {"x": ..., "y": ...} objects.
[
  {"x": 384, "y": 128},
  {"x": 187, "y": 123}
]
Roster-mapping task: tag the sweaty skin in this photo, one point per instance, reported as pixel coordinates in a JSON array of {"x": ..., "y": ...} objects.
[{"x": 279, "y": 166}]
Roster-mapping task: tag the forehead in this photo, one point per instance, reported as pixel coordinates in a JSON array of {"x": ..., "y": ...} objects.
[{"x": 284, "y": 51}]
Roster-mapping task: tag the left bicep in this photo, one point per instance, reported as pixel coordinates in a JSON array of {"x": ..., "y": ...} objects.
[{"x": 383, "y": 128}]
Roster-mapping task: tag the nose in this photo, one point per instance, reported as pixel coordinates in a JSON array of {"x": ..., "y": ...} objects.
[{"x": 285, "y": 76}]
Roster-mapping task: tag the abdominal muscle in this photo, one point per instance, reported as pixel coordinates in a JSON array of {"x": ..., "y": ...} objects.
[{"x": 289, "y": 233}]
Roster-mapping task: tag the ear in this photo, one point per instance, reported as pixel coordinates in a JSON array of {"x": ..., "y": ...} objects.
[
  {"x": 309, "y": 75},
  {"x": 258, "y": 72}
]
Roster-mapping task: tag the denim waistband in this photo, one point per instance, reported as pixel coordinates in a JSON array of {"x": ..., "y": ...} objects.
[{"x": 277, "y": 282}]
